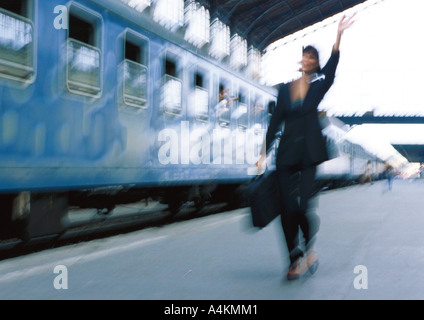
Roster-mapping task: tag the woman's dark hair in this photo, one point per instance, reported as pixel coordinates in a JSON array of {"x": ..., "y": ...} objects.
[{"x": 312, "y": 50}]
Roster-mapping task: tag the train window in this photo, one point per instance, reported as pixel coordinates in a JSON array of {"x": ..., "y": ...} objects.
[
  {"x": 19, "y": 7},
  {"x": 197, "y": 20},
  {"x": 201, "y": 96},
  {"x": 198, "y": 78},
  {"x": 241, "y": 112},
  {"x": 169, "y": 14},
  {"x": 84, "y": 57},
  {"x": 81, "y": 30},
  {"x": 171, "y": 97},
  {"x": 223, "y": 107},
  {"x": 132, "y": 51},
  {"x": 135, "y": 71},
  {"x": 17, "y": 37},
  {"x": 219, "y": 39},
  {"x": 138, "y": 5},
  {"x": 170, "y": 67},
  {"x": 257, "y": 111}
]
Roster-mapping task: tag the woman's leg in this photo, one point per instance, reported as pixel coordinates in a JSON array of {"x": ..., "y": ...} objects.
[
  {"x": 309, "y": 220},
  {"x": 289, "y": 216}
]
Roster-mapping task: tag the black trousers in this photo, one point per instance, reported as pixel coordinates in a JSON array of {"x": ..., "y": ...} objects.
[{"x": 296, "y": 184}]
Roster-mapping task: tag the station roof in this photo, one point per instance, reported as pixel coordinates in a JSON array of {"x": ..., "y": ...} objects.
[
  {"x": 413, "y": 153},
  {"x": 262, "y": 22}
]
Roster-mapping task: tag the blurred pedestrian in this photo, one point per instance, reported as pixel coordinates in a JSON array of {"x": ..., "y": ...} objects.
[
  {"x": 301, "y": 148},
  {"x": 389, "y": 172},
  {"x": 366, "y": 176},
  {"x": 223, "y": 108},
  {"x": 225, "y": 98}
]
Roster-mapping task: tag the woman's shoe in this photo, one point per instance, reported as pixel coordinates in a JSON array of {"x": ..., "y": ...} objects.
[
  {"x": 312, "y": 260},
  {"x": 297, "y": 269}
]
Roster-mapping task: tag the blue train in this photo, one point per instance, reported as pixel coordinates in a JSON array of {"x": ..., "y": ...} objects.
[
  {"x": 98, "y": 100},
  {"x": 100, "y": 104},
  {"x": 348, "y": 159}
]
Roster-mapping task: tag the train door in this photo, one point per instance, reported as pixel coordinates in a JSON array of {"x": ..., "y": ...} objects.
[
  {"x": 198, "y": 115},
  {"x": 258, "y": 113},
  {"x": 240, "y": 114},
  {"x": 172, "y": 131},
  {"x": 84, "y": 52},
  {"x": 172, "y": 85},
  {"x": 134, "y": 71},
  {"x": 198, "y": 108},
  {"x": 240, "y": 118},
  {"x": 224, "y": 107},
  {"x": 18, "y": 67},
  {"x": 134, "y": 97}
]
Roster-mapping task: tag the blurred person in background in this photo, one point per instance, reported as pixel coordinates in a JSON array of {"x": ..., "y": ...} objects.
[
  {"x": 366, "y": 176},
  {"x": 389, "y": 173}
]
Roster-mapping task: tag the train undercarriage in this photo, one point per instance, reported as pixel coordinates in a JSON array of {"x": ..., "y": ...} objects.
[{"x": 30, "y": 216}]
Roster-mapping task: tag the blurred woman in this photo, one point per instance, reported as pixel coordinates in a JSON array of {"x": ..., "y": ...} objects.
[{"x": 301, "y": 149}]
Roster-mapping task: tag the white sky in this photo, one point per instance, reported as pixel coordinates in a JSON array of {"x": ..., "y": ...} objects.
[{"x": 381, "y": 66}]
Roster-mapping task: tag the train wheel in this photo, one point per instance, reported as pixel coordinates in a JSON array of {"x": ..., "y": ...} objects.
[
  {"x": 199, "y": 203},
  {"x": 105, "y": 211},
  {"x": 47, "y": 216},
  {"x": 176, "y": 198},
  {"x": 36, "y": 216},
  {"x": 175, "y": 205}
]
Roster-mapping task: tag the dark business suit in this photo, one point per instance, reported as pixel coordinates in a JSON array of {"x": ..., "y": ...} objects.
[{"x": 302, "y": 147}]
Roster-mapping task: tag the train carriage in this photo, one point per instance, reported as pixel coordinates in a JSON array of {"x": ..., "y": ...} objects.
[
  {"x": 97, "y": 95},
  {"x": 347, "y": 158},
  {"x": 103, "y": 103}
]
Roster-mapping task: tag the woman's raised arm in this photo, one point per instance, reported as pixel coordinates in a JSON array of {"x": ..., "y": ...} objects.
[{"x": 344, "y": 24}]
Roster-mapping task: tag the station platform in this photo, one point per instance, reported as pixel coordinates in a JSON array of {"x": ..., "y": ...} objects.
[{"x": 370, "y": 245}]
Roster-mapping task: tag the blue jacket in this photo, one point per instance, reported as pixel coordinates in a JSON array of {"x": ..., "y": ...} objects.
[{"x": 302, "y": 141}]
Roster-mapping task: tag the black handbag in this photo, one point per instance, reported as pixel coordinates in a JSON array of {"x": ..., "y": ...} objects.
[{"x": 264, "y": 199}]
